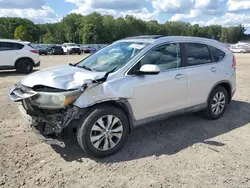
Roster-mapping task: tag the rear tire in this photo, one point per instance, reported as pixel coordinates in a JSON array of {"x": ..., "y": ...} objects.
[
  {"x": 24, "y": 66},
  {"x": 112, "y": 135},
  {"x": 217, "y": 103}
]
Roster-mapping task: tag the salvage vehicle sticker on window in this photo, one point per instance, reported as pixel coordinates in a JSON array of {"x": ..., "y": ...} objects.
[{"x": 137, "y": 46}]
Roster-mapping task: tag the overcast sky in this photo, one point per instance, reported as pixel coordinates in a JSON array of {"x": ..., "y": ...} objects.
[{"x": 203, "y": 12}]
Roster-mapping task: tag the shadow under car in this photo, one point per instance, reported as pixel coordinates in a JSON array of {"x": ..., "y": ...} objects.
[{"x": 169, "y": 136}]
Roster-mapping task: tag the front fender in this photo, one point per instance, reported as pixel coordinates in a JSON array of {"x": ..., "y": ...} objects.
[{"x": 101, "y": 93}]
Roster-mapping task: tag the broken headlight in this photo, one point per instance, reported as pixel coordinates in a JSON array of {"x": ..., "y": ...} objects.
[{"x": 49, "y": 100}]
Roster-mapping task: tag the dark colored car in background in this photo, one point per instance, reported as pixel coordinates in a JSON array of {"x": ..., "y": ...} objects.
[
  {"x": 87, "y": 49},
  {"x": 56, "y": 50},
  {"x": 41, "y": 50}
]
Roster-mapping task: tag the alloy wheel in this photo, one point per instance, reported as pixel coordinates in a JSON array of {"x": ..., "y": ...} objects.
[
  {"x": 106, "y": 132},
  {"x": 218, "y": 103}
]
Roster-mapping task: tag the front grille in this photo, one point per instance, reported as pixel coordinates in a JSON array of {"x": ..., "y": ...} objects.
[{"x": 75, "y": 49}]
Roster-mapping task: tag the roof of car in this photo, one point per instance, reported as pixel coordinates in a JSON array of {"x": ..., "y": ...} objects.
[
  {"x": 188, "y": 38},
  {"x": 12, "y": 40},
  {"x": 153, "y": 38},
  {"x": 146, "y": 37},
  {"x": 69, "y": 43}
]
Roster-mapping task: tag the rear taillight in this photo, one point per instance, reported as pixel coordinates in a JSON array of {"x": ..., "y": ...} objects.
[
  {"x": 234, "y": 62},
  {"x": 34, "y": 51}
]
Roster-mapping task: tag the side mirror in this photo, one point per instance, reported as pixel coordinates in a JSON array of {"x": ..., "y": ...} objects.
[{"x": 149, "y": 69}]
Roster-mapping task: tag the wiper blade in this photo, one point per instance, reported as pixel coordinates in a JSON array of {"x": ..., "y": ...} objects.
[
  {"x": 106, "y": 76},
  {"x": 85, "y": 67},
  {"x": 72, "y": 65},
  {"x": 111, "y": 70}
]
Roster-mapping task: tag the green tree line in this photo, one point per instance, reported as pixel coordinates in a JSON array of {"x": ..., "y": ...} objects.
[{"x": 95, "y": 28}]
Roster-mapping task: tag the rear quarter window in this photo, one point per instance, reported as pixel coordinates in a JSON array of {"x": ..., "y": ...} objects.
[
  {"x": 217, "y": 55},
  {"x": 18, "y": 46}
]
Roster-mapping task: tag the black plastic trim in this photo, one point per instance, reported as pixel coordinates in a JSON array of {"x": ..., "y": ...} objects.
[
  {"x": 32, "y": 61},
  {"x": 6, "y": 67}
]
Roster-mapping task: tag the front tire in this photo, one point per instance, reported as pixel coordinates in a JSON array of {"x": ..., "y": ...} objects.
[
  {"x": 24, "y": 66},
  {"x": 217, "y": 103},
  {"x": 103, "y": 131}
]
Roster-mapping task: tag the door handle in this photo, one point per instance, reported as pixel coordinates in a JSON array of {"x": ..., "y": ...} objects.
[
  {"x": 179, "y": 76},
  {"x": 213, "y": 69}
]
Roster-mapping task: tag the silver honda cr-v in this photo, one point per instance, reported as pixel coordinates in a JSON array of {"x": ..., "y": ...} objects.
[{"x": 131, "y": 82}]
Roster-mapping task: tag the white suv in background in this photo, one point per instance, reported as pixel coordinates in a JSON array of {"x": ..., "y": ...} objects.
[
  {"x": 129, "y": 83},
  {"x": 71, "y": 48},
  {"x": 18, "y": 55}
]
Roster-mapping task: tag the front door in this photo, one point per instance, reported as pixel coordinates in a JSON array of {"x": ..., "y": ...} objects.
[{"x": 162, "y": 93}]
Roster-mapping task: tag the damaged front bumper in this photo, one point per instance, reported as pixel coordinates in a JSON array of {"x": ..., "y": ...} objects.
[
  {"x": 18, "y": 93},
  {"x": 47, "y": 140},
  {"x": 49, "y": 124},
  {"x": 41, "y": 136}
]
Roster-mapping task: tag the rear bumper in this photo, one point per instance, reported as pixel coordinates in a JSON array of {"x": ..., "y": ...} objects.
[
  {"x": 86, "y": 51},
  {"x": 58, "y": 52},
  {"x": 37, "y": 64},
  {"x": 43, "y": 52},
  {"x": 233, "y": 83},
  {"x": 233, "y": 93}
]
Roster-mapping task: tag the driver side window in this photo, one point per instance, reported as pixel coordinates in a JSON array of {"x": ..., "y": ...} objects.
[{"x": 166, "y": 57}]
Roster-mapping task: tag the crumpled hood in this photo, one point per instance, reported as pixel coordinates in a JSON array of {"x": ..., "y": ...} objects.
[{"x": 63, "y": 77}]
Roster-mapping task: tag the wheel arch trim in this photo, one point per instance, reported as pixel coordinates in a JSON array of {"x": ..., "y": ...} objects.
[
  {"x": 20, "y": 58},
  {"x": 219, "y": 83},
  {"x": 120, "y": 103}
]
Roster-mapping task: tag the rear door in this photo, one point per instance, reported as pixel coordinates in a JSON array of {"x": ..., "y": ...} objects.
[{"x": 202, "y": 72}]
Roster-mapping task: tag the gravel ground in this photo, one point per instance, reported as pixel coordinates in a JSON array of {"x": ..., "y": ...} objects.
[{"x": 187, "y": 151}]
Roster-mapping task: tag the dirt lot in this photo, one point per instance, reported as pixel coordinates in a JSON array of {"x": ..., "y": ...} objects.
[{"x": 187, "y": 151}]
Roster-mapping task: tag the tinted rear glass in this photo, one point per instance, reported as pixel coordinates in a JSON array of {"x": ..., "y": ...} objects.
[
  {"x": 217, "y": 54},
  {"x": 197, "y": 54},
  {"x": 10, "y": 46}
]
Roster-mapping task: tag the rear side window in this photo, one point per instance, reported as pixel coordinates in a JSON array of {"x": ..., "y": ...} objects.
[
  {"x": 217, "y": 55},
  {"x": 197, "y": 54},
  {"x": 10, "y": 46}
]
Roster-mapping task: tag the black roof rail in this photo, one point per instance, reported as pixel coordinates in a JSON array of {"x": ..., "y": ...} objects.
[{"x": 145, "y": 37}]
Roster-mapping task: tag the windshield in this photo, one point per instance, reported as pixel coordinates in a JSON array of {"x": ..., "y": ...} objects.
[
  {"x": 113, "y": 56},
  {"x": 71, "y": 44}
]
